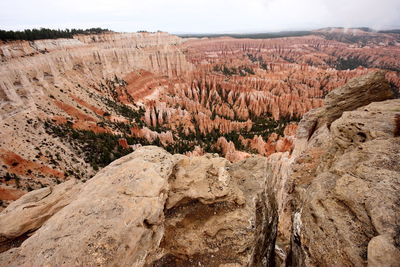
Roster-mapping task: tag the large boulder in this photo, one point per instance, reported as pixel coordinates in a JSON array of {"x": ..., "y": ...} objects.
[
  {"x": 148, "y": 208},
  {"x": 33, "y": 209},
  {"x": 116, "y": 219},
  {"x": 358, "y": 92}
]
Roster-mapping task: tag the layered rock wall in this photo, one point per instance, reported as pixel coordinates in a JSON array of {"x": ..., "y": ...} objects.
[{"x": 30, "y": 69}]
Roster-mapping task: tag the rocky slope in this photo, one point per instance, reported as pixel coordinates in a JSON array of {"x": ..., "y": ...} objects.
[
  {"x": 69, "y": 107},
  {"x": 332, "y": 201}
]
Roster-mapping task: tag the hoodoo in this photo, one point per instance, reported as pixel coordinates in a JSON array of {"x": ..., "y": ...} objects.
[{"x": 71, "y": 106}]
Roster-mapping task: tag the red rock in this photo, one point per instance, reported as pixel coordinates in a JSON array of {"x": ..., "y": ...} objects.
[
  {"x": 176, "y": 82},
  {"x": 123, "y": 143},
  {"x": 8, "y": 193},
  {"x": 20, "y": 166}
]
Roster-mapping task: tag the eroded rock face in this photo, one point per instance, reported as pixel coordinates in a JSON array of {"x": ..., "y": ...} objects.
[
  {"x": 149, "y": 208},
  {"x": 350, "y": 195},
  {"x": 35, "y": 208},
  {"x": 356, "y": 93},
  {"x": 61, "y": 81},
  {"x": 339, "y": 203},
  {"x": 221, "y": 216},
  {"x": 157, "y": 88}
]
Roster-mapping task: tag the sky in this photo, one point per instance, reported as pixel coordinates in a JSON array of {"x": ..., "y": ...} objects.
[{"x": 199, "y": 16}]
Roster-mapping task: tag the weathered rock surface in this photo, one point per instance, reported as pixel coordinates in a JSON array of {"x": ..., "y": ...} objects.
[
  {"x": 339, "y": 204},
  {"x": 351, "y": 196},
  {"x": 35, "y": 208},
  {"x": 115, "y": 219},
  {"x": 149, "y": 208},
  {"x": 356, "y": 93}
]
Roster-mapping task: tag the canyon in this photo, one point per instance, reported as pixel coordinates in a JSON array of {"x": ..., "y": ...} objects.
[
  {"x": 69, "y": 107},
  {"x": 333, "y": 201},
  {"x": 148, "y": 149}
]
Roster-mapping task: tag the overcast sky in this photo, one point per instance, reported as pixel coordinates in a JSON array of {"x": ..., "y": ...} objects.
[{"x": 199, "y": 16}]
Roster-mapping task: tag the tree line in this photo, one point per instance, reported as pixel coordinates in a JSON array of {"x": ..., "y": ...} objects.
[{"x": 44, "y": 33}]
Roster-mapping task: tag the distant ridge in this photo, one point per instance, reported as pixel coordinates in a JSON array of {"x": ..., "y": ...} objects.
[
  {"x": 282, "y": 34},
  {"x": 266, "y": 35}
]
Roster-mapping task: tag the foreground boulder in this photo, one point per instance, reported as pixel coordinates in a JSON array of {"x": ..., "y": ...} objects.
[{"x": 148, "y": 208}]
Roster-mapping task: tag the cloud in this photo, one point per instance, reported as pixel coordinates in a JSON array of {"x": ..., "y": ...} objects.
[
  {"x": 376, "y": 14},
  {"x": 199, "y": 16}
]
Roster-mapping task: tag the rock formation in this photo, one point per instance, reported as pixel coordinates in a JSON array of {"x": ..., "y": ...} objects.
[
  {"x": 346, "y": 201},
  {"x": 338, "y": 196},
  {"x": 61, "y": 98},
  {"x": 332, "y": 201},
  {"x": 148, "y": 208}
]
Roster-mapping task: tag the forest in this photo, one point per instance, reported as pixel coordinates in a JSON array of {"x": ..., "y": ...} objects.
[{"x": 44, "y": 33}]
